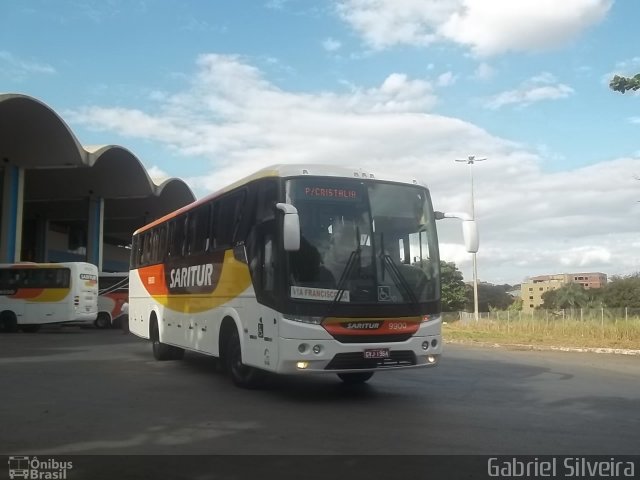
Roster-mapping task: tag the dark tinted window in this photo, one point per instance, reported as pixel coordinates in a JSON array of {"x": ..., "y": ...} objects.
[
  {"x": 35, "y": 278},
  {"x": 229, "y": 218},
  {"x": 199, "y": 230}
]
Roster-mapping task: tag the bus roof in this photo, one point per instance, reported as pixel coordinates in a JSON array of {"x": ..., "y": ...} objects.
[
  {"x": 43, "y": 265},
  {"x": 285, "y": 171}
]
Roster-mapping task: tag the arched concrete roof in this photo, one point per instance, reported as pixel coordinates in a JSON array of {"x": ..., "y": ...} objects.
[{"x": 61, "y": 173}]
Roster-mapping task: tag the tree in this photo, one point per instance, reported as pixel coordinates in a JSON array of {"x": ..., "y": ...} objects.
[
  {"x": 490, "y": 297},
  {"x": 571, "y": 295},
  {"x": 516, "y": 306},
  {"x": 622, "y": 84},
  {"x": 453, "y": 287},
  {"x": 622, "y": 292}
]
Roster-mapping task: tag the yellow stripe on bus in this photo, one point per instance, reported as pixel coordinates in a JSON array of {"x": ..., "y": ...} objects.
[{"x": 234, "y": 279}]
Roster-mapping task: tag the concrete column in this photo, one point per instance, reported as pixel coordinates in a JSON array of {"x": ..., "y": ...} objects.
[
  {"x": 95, "y": 231},
  {"x": 42, "y": 244},
  {"x": 12, "y": 204}
]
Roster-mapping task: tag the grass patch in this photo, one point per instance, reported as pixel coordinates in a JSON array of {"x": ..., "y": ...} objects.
[{"x": 567, "y": 333}]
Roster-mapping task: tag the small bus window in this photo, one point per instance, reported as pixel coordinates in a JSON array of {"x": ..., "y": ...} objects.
[
  {"x": 229, "y": 218},
  {"x": 199, "y": 222}
]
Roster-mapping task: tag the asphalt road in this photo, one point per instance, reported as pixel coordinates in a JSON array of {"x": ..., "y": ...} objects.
[{"x": 85, "y": 391}]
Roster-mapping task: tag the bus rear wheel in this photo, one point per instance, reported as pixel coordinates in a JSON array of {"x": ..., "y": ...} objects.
[
  {"x": 242, "y": 375},
  {"x": 162, "y": 351},
  {"x": 8, "y": 322},
  {"x": 355, "y": 378},
  {"x": 102, "y": 321}
]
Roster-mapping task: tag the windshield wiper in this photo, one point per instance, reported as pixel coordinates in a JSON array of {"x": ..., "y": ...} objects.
[
  {"x": 399, "y": 279},
  {"x": 354, "y": 258}
]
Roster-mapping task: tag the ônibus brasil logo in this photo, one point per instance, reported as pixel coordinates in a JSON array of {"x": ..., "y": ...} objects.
[{"x": 36, "y": 469}]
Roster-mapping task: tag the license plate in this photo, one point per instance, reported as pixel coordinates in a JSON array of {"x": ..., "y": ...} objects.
[{"x": 377, "y": 353}]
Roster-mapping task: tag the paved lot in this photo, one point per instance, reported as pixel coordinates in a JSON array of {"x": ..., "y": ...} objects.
[{"x": 85, "y": 391}]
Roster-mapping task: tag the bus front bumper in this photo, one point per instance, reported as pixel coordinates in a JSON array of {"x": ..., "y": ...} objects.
[{"x": 330, "y": 356}]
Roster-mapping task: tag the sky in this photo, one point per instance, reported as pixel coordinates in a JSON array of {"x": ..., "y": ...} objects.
[{"x": 210, "y": 91}]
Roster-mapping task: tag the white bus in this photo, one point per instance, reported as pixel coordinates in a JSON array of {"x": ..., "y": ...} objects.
[
  {"x": 295, "y": 269},
  {"x": 113, "y": 295},
  {"x": 34, "y": 294}
]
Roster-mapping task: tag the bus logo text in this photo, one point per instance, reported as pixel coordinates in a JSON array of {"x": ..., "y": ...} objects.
[
  {"x": 363, "y": 325},
  {"x": 194, "y": 276}
]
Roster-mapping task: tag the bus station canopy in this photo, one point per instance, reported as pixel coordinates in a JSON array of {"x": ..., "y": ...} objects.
[{"x": 61, "y": 175}]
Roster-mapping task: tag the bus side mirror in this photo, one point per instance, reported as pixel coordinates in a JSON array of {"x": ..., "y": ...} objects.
[
  {"x": 290, "y": 227},
  {"x": 469, "y": 229},
  {"x": 470, "y": 234}
]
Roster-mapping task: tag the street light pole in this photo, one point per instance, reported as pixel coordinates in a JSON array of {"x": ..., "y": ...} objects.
[{"x": 471, "y": 160}]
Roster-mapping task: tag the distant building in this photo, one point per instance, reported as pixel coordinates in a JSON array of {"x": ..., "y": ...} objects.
[{"x": 531, "y": 291}]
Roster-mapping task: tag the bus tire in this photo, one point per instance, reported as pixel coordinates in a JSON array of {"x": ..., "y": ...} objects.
[
  {"x": 30, "y": 328},
  {"x": 8, "y": 322},
  {"x": 355, "y": 378},
  {"x": 242, "y": 375},
  {"x": 162, "y": 351},
  {"x": 102, "y": 321}
]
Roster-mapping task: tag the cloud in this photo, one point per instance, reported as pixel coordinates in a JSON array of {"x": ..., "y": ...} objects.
[
  {"x": 536, "y": 89},
  {"x": 484, "y": 71},
  {"x": 157, "y": 174},
  {"x": 232, "y": 121},
  {"x": 494, "y": 27},
  {"x": 18, "y": 69},
  {"x": 331, "y": 45},
  {"x": 446, "y": 79},
  {"x": 487, "y": 27}
]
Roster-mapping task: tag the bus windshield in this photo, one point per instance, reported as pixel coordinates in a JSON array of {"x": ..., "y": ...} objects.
[{"x": 363, "y": 242}]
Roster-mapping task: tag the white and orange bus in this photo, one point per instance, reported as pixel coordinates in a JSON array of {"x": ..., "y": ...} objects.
[
  {"x": 34, "y": 294},
  {"x": 295, "y": 269},
  {"x": 113, "y": 295}
]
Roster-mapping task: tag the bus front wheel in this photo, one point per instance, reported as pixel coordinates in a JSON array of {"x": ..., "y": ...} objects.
[
  {"x": 355, "y": 378},
  {"x": 242, "y": 375}
]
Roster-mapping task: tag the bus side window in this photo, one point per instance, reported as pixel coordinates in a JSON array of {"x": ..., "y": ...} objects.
[
  {"x": 199, "y": 230},
  {"x": 134, "y": 252},
  {"x": 162, "y": 244},
  {"x": 267, "y": 197},
  {"x": 63, "y": 278},
  {"x": 146, "y": 248},
  {"x": 229, "y": 218},
  {"x": 155, "y": 241},
  {"x": 213, "y": 230},
  {"x": 177, "y": 236},
  {"x": 171, "y": 232},
  {"x": 268, "y": 264}
]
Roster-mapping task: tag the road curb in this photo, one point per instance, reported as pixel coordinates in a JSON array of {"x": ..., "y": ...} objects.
[{"x": 520, "y": 346}]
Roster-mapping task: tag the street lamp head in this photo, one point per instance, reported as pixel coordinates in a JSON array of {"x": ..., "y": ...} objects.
[{"x": 471, "y": 159}]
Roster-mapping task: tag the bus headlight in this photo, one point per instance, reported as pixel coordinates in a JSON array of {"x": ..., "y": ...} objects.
[{"x": 304, "y": 319}]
